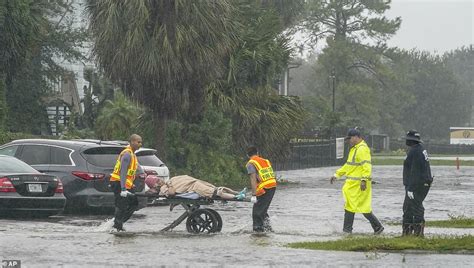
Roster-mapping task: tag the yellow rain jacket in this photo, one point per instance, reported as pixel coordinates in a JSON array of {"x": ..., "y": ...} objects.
[{"x": 357, "y": 168}]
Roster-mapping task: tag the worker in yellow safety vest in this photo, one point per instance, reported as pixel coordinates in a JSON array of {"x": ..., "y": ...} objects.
[
  {"x": 263, "y": 182},
  {"x": 121, "y": 182},
  {"x": 357, "y": 189}
]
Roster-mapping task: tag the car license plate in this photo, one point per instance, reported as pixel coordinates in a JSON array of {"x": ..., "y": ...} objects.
[{"x": 35, "y": 188}]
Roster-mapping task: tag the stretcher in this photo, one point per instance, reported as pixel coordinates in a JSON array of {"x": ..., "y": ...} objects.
[{"x": 198, "y": 220}]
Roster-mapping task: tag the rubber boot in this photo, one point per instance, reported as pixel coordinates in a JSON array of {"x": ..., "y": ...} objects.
[
  {"x": 406, "y": 229},
  {"x": 419, "y": 229},
  {"x": 348, "y": 221}
]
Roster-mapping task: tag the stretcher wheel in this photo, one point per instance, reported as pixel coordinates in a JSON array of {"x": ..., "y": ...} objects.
[
  {"x": 219, "y": 219},
  {"x": 200, "y": 221}
]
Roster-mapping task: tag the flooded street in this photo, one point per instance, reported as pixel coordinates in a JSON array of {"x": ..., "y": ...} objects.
[{"x": 308, "y": 209}]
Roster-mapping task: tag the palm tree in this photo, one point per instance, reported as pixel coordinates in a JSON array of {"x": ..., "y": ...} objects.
[
  {"x": 117, "y": 119},
  {"x": 163, "y": 52},
  {"x": 19, "y": 24},
  {"x": 260, "y": 116},
  {"x": 33, "y": 35}
]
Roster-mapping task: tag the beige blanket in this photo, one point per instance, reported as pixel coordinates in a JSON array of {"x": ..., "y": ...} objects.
[{"x": 187, "y": 184}]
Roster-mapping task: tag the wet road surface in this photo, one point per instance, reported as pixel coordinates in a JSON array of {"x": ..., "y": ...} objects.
[{"x": 308, "y": 209}]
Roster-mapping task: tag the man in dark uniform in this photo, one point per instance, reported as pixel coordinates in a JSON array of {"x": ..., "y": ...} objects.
[{"x": 417, "y": 180}]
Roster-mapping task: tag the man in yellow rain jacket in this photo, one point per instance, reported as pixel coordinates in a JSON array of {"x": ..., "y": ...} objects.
[{"x": 357, "y": 188}]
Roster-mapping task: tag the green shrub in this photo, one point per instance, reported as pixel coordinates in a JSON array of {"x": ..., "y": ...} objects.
[{"x": 203, "y": 150}]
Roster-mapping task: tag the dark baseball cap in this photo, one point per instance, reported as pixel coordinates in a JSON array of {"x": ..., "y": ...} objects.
[{"x": 353, "y": 132}]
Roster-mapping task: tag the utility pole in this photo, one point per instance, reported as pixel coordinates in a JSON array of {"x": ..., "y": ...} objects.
[
  {"x": 333, "y": 77},
  {"x": 283, "y": 87}
]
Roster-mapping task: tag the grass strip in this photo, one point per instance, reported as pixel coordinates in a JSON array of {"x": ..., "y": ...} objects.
[
  {"x": 438, "y": 244},
  {"x": 454, "y": 222}
]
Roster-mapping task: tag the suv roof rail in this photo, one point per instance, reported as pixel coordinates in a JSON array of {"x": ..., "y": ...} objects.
[
  {"x": 116, "y": 142},
  {"x": 87, "y": 140},
  {"x": 119, "y": 142}
]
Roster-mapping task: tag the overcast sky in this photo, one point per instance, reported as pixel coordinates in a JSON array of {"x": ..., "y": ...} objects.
[{"x": 433, "y": 25}]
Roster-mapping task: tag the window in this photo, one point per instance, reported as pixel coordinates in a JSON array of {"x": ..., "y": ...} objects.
[
  {"x": 13, "y": 165},
  {"x": 60, "y": 156},
  {"x": 149, "y": 160},
  {"x": 10, "y": 150},
  {"x": 36, "y": 154},
  {"x": 102, "y": 156}
]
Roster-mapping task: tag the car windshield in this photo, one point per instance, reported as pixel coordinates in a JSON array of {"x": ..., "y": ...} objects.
[
  {"x": 107, "y": 156},
  {"x": 102, "y": 156},
  {"x": 13, "y": 165},
  {"x": 149, "y": 159}
]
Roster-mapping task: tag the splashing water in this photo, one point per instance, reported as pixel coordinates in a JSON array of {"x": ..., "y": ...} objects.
[{"x": 106, "y": 226}]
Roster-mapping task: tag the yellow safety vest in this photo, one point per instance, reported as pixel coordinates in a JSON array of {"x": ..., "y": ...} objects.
[
  {"x": 132, "y": 168},
  {"x": 357, "y": 168},
  {"x": 265, "y": 173}
]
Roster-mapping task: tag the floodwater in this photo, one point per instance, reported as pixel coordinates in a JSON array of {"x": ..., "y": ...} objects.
[{"x": 307, "y": 210}]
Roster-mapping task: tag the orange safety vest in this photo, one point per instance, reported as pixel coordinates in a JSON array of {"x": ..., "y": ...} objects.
[
  {"x": 265, "y": 173},
  {"x": 132, "y": 168}
]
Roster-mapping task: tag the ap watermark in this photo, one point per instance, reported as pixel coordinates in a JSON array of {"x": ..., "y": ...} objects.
[{"x": 11, "y": 264}]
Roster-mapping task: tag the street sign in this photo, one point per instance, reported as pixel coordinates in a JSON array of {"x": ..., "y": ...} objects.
[
  {"x": 339, "y": 148},
  {"x": 461, "y": 135}
]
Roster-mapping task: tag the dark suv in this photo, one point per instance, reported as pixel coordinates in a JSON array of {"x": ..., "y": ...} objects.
[{"x": 84, "y": 167}]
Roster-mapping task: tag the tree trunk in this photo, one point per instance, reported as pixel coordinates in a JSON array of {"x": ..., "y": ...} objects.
[
  {"x": 160, "y": 124},
  {"x": 3, "y": 102}
]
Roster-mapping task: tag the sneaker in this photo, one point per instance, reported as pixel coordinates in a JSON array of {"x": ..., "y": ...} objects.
[
  {"x": 379, "y": 230},
  {"x": 118, "y": 228},
  {"x": 346, "y": 233},
  {"x": 244, "y": 191}
]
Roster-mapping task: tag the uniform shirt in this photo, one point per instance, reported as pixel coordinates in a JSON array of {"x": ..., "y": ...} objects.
[
  {"x": 124, "y": 164},
  {"x": 416, "y": 168},
  {"x": 251, "y": 169}
]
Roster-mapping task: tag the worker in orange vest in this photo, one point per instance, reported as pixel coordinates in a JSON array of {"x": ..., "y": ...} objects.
[
  {"x": 121, "y": 182},
  {"x": 263, "y": 182}
]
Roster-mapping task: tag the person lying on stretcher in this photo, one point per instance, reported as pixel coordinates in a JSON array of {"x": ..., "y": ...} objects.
[{"x": 187, "y": 186}]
